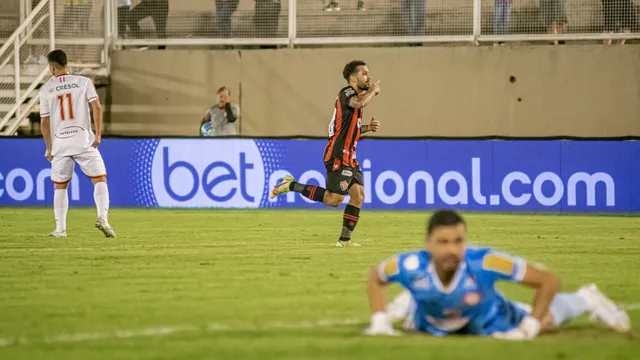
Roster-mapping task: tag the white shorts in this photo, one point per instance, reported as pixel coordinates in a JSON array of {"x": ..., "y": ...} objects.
[{"x": 90, "y": 162}]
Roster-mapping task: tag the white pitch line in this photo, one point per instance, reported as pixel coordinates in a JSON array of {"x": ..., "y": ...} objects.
[
  {"x": 212, "y": 327},
  {"x": 631, "y": 307},
  {"x": 169, "y": 330}
]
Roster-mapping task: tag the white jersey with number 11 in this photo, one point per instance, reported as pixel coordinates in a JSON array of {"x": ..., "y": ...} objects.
[{"x": 65, "y": 99}]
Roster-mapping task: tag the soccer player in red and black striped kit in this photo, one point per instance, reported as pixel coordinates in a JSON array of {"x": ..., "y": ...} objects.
[{"x": 343, "y": 171}]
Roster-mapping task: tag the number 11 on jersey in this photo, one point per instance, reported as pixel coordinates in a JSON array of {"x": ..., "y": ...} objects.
[{"x": 70, "y": 102}]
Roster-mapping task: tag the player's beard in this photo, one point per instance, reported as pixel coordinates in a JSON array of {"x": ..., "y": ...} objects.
[
  {"x": 450, "y": 264},
  {"x": 364, "y": 86}
]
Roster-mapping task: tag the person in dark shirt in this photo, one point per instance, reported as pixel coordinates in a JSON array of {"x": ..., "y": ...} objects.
[{"x": 343, "y": 171}]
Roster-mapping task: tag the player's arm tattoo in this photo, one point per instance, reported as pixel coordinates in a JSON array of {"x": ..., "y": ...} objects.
[
  {"x": 364, "y": 129},
  {"x": 362, "y": 100}
]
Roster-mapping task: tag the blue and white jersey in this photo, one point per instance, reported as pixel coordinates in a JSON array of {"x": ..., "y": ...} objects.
[{"x": 470, "y": 304}]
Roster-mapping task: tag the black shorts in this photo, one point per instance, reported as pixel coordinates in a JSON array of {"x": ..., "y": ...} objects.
[{"x": 340, "y": 181}]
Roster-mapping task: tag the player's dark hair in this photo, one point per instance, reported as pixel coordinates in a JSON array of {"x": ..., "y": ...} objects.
[
  {"x": 444, "y": 218},
  {"x": 57, "y": 57},
  {"x": 223, "y": 88},
  {"x": 351, "y": 68}
]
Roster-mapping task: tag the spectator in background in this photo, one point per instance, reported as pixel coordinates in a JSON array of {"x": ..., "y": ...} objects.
[
  {"x": 501, "y": 16},
  {"x": 334, "y": 5},
  {"x": 224, "y": 11},
  {"x": 76, "y": 15},
  {"x": 555, "y": 17},
  {"x": 159, "y": 12},
  {"x": 265, "y": 19},
  {"x": 412, "y": 15},
  {"x": 124, "y": 6},
  {"x": 618, "y": 15},
  {"x": 223, "y": 115}
]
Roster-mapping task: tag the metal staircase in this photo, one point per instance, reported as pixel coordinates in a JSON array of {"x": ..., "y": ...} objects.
[{"x": 23, "y": 68}]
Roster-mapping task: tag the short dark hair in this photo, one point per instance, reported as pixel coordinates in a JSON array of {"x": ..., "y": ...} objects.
[
  {"x": 223, "y": 88},
  {"x": 352, "y": 68},
  {"x": 57, "y": 57},
  {"x": 444, "y": 217}
]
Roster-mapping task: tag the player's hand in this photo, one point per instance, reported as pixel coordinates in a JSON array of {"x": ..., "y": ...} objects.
[
  {"x": 529, "y": 328},
  {"x": 47, "y": 154},
  {"x": 96, "y": 142},
  {"x": 376, "y": 87},
  {"x": 374, "y": 125},
  {"x": 381, "y": 325}
]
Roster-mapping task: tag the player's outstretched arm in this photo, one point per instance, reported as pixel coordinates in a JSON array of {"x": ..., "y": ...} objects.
[
  {"x": 376, "y": 290},
  {"x": 380, "y": 321},
  {"x": 45, "y": 128},
  {"x": 547, "y": 285},
  {"x": 96, "y": 108},
  {"x": 362, "y": 100}
]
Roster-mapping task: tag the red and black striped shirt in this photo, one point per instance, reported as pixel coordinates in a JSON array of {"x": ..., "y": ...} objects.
[{"x": 344, "y": 131}]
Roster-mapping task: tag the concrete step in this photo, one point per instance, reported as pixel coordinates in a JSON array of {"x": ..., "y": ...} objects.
[
  {"x": 9, "y": 79},
  {"x": 25, "y": 69},
  {"x": 4, "y": 108},
  {"x": 11, "y": 93}
]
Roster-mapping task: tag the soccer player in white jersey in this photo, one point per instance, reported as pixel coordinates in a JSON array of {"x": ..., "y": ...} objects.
[{"x": 66, "y": 129}]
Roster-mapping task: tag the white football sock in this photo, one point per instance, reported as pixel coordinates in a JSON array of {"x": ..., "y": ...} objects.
[
  {"x": 101, "y": 196},
  {"x": 60, "y": 207},
  {"x": 566, "y": 307}
]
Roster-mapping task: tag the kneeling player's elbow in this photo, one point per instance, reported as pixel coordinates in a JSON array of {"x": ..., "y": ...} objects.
[
  {"x": 373, "y": 275},
  {"x": 553, "y": 282}
]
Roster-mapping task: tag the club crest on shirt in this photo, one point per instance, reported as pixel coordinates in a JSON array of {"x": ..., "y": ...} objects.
[
  {"x": 472, "y": 298},
  {"x": 469, "y": 284}
]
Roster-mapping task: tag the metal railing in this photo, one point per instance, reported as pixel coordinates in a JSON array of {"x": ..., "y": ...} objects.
[
  {"x": 20, "y": 70},
  {"x": 304, "y": 22},
  {"x": 89, "y": 30}
]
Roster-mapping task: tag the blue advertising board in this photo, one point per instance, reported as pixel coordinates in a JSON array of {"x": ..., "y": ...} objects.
[{"x": 498, "y": 175}]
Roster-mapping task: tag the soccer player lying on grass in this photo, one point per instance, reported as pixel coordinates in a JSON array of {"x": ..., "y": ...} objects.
[{"x": 451, "y": 290}]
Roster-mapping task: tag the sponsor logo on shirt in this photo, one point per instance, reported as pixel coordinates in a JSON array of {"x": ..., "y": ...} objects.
[
  {"x": 422, "y": 284},
  {"x": 69, "y": 132}
]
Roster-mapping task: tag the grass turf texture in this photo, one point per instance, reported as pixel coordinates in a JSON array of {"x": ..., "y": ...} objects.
[{"x": 217, "y": 284}]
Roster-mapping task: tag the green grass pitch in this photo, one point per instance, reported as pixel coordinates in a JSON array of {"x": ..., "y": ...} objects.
[{"x": 218, "y": 284}]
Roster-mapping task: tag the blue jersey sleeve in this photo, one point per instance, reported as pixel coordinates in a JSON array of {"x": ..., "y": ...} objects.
[
  {"x": 503, "y": 266},
  {"x": 397, "y": 269}
]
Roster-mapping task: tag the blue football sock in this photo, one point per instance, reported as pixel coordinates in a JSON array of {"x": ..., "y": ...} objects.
[{"x": 566, "y": 307}]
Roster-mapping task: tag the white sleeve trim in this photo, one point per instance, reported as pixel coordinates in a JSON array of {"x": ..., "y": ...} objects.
[
  {"x": 381, "y": 273},
  {"x": 521, "y": 269}
]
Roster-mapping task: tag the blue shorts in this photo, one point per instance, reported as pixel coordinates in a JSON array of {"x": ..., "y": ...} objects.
[{"x": 508, "y": 316}]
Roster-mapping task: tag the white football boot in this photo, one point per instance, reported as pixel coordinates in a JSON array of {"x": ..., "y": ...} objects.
[
  {"x": 604, "y": 309},
  {"x": 340, "y": 243},
  {"x": 106, "y": 229},
  {"x": 57, "y": 234}
]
